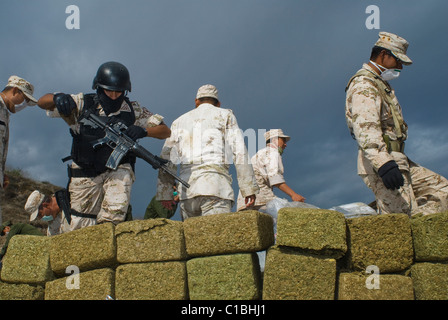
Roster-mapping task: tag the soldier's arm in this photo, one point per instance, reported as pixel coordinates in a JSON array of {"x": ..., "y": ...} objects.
[
  {"x": 366, "y": 110},
  {"x": 46, "y": 102},
  {"x": 160, "y": 131}
]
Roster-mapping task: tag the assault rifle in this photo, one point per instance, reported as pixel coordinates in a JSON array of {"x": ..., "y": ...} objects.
[{"x": 121, "y": 144}]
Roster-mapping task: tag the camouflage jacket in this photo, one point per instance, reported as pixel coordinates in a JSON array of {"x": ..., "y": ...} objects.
[
  {"x": 204, "y": 142},
  {"x": 373, "y": 111},
  {"x": 4, "y": 138}
]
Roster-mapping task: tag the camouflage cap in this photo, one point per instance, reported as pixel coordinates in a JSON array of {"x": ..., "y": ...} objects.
[
  {"x": 33, "y": 202},
  {"x": 397, "y": 45},
  {"x": 207, "y": 90},
  {"x": 276, "y": 133},
  {"x": 24, "y": 86}
]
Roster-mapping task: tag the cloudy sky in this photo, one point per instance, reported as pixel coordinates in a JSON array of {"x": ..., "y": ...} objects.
[{"x": 277, "y": 64}]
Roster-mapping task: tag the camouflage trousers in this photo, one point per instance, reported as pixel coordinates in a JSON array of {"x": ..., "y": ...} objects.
[
  {"x": 204, "y": 205},
  {"x": 107, "y": 196},
  {"x": 424, "y": 191}
]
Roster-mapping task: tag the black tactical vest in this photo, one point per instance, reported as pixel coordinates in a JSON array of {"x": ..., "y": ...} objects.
[{"x": 83, "y": 153}]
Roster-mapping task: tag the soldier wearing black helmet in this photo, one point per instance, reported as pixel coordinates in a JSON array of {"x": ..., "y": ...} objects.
[{"x": 99, "y": 194}]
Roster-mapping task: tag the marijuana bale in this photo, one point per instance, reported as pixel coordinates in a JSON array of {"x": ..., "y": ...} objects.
[
  {"x": 150, "y": 240},
  {"x": 290, "y": 275},
  {"x": 357, "y": 286},
  {"x": 384, "y": 241},
  {"x": 90, "y": 285},
  {"x": 236, "y": 232},
  {"x": 430, "y": 235},
  {"x": 10, "y": 291},
  {"x": 315, "y": 230},
  {"x": 224, "y": 277},
  {"x": 430, "y": 281},
  {"x": 27, "y": 260},
  {"x": 151, "y": 281},
  {"x": 88, "y": 248}
]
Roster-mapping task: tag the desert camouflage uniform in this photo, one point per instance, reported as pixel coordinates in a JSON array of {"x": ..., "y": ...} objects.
[
  {"x": 268, "y": 169},
  {"x": 4, "y": 138},
  {"x": 107, "y": 195},
  {"x": 204, "y": 142},
  {"x": 4, "y": 141},
  {"x": 373, "y": 111},
  {"x": 58, "y": 226}
]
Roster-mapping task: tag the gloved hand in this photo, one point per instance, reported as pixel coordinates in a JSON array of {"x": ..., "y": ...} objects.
[
  {"x": 64, "y": 103},
  {"x": 136, "y": 132},
  {"x": 391, "y": 175}
]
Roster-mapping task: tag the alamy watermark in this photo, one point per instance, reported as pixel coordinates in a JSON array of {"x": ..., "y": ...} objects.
[
  {"x": 73, "y": 20},
  {"x": 373, "y": 280},
  {"x": 72, "y": 281},
  {"x": 373, "y": 20}
]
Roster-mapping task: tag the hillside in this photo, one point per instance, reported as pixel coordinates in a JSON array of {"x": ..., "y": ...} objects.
[{"x": 13, "y": 198}]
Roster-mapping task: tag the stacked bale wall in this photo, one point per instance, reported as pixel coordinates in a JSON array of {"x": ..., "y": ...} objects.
[{"x": 318, "y": 254}]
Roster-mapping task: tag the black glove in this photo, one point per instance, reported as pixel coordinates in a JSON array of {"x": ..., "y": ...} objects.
[
  {"x": 135, "y": 132},
  {"x": 64, "y": 103},
  {"x": 391, "y": 175}
]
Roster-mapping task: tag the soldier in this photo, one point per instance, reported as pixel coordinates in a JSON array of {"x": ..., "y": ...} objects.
[
  {"x": 53, "y": 209},
  {"x": 374, "y": 117},
  {"x": 268, "y": 169},
  {"x": 199, "y": 141},
  {"x": 94, "y": 189},
  {"x": 17, "y": 94}
]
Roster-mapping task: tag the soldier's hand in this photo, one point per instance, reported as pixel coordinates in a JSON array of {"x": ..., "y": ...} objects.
[
  {"x": 391, "y": 175},
  {"x": 250, "y": 200},
  {"x": 136, "y": 132},
  {"x": 64, "y": 103}
]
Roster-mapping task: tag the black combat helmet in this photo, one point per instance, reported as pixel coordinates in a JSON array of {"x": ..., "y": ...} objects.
[{"x": 112, "y": 76}]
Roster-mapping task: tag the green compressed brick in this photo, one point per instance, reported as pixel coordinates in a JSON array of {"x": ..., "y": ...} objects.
[
  {"x": 226, "y": 233},
  {"x": 430, "y": 235},
  {"x": 151, "y": 281},
  {"x": 430, "y": 281},
  {"x": 88, "y": 248},
  {"x": 27, "y": 260},
  {"x": 358, "y": 286},
  {"x": 290, "y": 275},
  {"x": 150, "y": 240},
  {"x": 9, "y": 291},
  {"x": 224, "y": 277},
  {"x": 384, "y": 241},
  {"x": 90, "y": 285},
  {"x": 315, "y": 230}
]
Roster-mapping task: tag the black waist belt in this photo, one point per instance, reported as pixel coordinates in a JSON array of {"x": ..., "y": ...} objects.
[
  {"x": 82, "y": 215},
  {"x": 82, "y": 173}
]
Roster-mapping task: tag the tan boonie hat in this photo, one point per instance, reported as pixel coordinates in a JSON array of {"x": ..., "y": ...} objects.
[
  {"x": 208, "y": 91},
  {"x": 276, "y": 133},
  {"x": 24, "y": 86},
  {"x": 32, "y": 204},
  {"x": 397, "y": 45}
]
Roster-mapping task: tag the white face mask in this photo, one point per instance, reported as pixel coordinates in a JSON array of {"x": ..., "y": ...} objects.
[
  {"x": 387, "y": 74},
  {"x": 20, "y": 107}
]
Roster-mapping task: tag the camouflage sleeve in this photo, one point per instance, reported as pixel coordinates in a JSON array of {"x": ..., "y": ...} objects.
[
  {"x": 244, "y": 170},
  {"x": 145, "y": 118},
  {"x": 165, "y": 181},
  {"x": 274, "y": 167},
  {"x": 364, "y": 114}
]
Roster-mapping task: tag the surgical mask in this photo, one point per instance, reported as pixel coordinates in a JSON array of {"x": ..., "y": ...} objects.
[
  {"x": 387, "y": 74},
  {"x": 20, "y": 107},
  {"x": 47, "y": 218}
]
